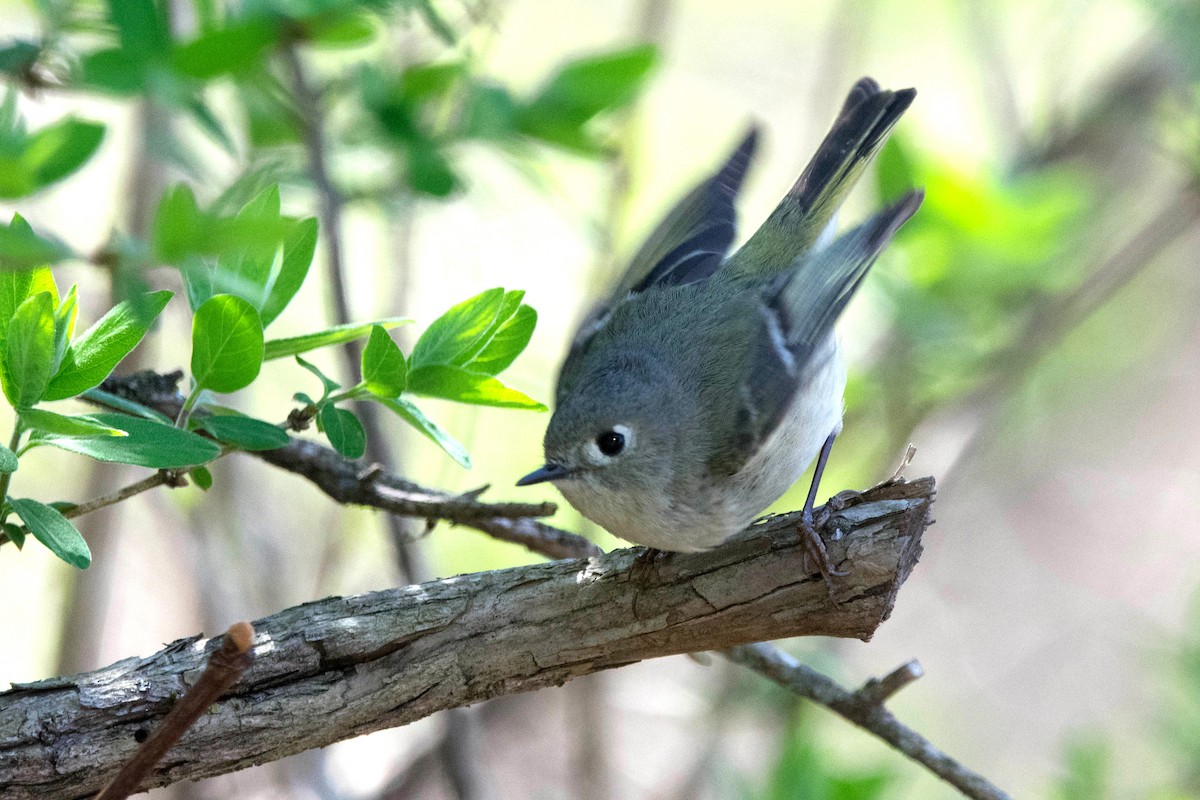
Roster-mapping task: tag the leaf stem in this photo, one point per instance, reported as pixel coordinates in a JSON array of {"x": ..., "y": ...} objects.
[
  {"x": 186, "y": 410},
  {"x": 14, "y": 443},
  {"x": 353, "y": 393}
]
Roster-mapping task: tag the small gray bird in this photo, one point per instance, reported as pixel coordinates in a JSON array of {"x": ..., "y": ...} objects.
[{"x": 703, "y": 387}]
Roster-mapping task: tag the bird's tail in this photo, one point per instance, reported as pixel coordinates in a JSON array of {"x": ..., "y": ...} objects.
[{"x": 803, "y": 214}]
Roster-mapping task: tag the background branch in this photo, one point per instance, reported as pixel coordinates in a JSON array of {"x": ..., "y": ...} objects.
[{"x": 342, "y": 667}]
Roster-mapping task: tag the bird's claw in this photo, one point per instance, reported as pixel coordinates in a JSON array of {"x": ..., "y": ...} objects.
[{"x": 814, "y": 551}]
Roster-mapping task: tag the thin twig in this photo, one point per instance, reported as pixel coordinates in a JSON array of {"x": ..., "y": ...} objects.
[
  {"x": 159, "y": 478},
  {"x": 224, "y": 667},
  {"x": 863, "y": 710}
]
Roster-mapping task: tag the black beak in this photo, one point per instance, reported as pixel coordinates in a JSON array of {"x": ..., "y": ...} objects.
[{"x": 549, "y": 472}]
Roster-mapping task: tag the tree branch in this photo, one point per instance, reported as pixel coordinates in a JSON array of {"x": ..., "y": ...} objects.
[
  {"x": 330, "y": 471},
  {"x": 224, "y": 667},
  {"x": 865, "y": 709},
  {"x": 342, "y": 667},
  {"x": 344, "y": 480}
]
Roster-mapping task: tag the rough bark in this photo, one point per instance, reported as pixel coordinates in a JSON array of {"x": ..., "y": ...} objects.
[{"x": 345, "y": 666}]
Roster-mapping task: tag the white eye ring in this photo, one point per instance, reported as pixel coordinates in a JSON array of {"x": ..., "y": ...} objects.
[{"x": 620, "y": 435}]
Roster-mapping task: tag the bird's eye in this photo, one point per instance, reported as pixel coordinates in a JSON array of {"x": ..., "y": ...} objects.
[{"x": 610, "y": 443}]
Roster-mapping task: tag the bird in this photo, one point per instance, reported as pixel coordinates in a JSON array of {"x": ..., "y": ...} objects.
[{"x": 704, "y": 384}]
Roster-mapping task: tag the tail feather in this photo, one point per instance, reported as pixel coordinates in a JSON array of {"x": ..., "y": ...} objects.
[
  {"x": 817, "y": 290},
  {"x": 794, "y": 226}
]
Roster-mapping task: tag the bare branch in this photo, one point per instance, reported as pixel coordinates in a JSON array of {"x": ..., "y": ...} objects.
[
  {"x": 159, "y": 478},
  {"x": 863, "y": 709},
  {"x": 342, "y": 667}
]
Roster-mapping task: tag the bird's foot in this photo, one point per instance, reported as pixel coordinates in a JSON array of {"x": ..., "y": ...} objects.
[
  {"x": 814, "y": 551},
  {"x": 649, "y": 559}
]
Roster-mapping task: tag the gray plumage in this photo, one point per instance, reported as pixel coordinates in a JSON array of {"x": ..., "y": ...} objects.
[{"x": 721, "y": 378}]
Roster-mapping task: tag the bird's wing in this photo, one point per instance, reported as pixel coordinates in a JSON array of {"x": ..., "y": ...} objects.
[
  {"x": 688, "y": 245},
  {"x": 796, "y": 224},
  {"x": 796, "y": 313}
]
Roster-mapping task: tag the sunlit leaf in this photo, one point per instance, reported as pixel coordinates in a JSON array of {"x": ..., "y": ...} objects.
[
  {"x": 414, "y": 416},
  {"x": 227, "y": 344},
  {"x": 96, "y": 353},
  {"x": 230, "y": 50},
  {"x": 22, "y": 249},
  {"x": 47, "y": 156},
  {"x": 508, "y": 343},
  {"x": 298, "y": 250},
  {"x": 458, "y": 330},
  {"x": 29, "y": 350},
  {"x": 583, "y": 89},
  {"x": 507, "y": 310},
  {"x": 340, "y": 334},
  {"x": 62, "y": 425},
  {"x": 456, "y": 383},
  {"x": 384, "y": 370}
]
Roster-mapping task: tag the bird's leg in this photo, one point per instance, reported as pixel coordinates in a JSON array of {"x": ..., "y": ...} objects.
[
  {"x": 814, "y": 548},
  {"x": 651, "y": 558}
]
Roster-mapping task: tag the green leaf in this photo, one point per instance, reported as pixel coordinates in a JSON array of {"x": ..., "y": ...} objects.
[
  {"x": 15, "y": 286},
  {"x": 343, "y": 430},
  {"x": 95, "y": 354},
  {"x": 340, "y": 30},
  {"x": 22, "y": 249},
  {"x": 232, "y": 50},
  {"x": 227, "y": 344},
  {"x": 582, "y": 90},
  {"x": 113, "y": 71},
  {"x": 508, "y": 343},
  {"x": 428, "y": 170},
  {"x": 8, "y": 461},
  {"x": 55, "y": 531},
  {"x": 47, "y": 156},
  {"x": 142, "y": 25},
  {"x": 64, "y": 326},
  {"x": 340, "y": 334},
  {"x": 329, "y": 384},
  {"x": 109, "y": 400},
  {"x": 148, "y": 444},
  {"x": 414, "y": 416},
  {"x": 508, "y": 309},
  {"x": 201, "y": 477},
  {"x": 298, "y": 250},
  {"x": 29, "y": 350},
  {"x": 61, "y": 425},
  {"x": 245, "y": 433},
  {"x": 177, "y": 223},
  {"x": 384, "y": 370},
  {"x": 456, "y": 383},
  {"x": 15, "y": 534},
  {"x": 458, "y": 330}
]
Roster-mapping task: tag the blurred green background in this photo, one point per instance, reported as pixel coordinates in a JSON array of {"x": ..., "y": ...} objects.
[{"x": 1035, "y": 332}]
